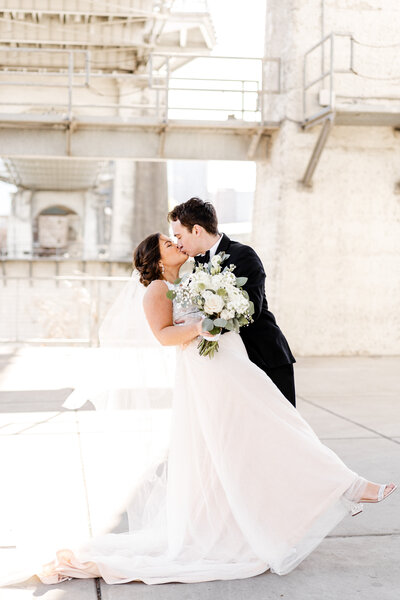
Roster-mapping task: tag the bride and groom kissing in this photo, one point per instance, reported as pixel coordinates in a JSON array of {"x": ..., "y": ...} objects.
[
  {"x": 195, "y": 226},
  {"x": 247, "y": 486}
]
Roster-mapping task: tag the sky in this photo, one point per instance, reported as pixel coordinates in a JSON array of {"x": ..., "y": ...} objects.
[
  {"x": 239, "y": 26},
  {"x": 239, "y": 29}
]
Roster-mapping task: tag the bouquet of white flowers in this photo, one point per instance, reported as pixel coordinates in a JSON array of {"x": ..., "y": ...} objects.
[{"x": 219, "y": 295}]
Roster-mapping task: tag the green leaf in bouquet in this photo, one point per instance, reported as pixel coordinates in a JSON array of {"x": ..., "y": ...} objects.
[
  {"x": 245, "y": 294},
  {"x": 208, "y": 325},
  {"x": 177, "y": 281},
  {"x": 220, "y": 322},
  {"x": 236, "y": 325},
  {"x": 251, "y": 308},
  {"x": 242, "y": 321},
  {"x": 229, "y": 325},
  {"x": 215, "y": 330},
  {"x": 171, "y": 294},
  {"x": 241, "y": 281}
]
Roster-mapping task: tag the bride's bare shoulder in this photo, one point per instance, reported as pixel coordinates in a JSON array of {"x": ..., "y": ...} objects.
[
  {"x": 157, "y": 307},
  {"x": 155, "y": 290},
  {"x": 157, "y": 284}
]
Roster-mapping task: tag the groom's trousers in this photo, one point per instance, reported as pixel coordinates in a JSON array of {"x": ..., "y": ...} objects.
[{"x": 283, "y": 378}]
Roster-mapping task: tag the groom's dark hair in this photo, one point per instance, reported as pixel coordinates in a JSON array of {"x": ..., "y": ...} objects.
[{"x": 195, "y": 212}]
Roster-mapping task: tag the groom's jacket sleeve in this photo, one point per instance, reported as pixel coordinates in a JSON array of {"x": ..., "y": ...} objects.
[{"x": 248, "y": 264}]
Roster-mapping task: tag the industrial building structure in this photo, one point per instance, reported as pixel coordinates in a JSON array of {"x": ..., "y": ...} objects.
[{"x": 94, "y": 101}]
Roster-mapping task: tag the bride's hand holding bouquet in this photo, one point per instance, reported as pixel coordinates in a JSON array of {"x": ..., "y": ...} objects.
[{"x": 219, "y": 296}]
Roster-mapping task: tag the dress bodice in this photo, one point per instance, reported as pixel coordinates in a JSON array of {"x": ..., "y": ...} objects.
[{"x": 188, "y": 312}]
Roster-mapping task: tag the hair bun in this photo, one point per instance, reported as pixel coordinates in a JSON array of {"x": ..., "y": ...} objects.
[{"x": 146, "y": 259}]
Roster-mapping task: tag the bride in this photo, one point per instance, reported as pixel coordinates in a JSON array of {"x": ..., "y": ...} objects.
[{"x": 247, "y": 485}]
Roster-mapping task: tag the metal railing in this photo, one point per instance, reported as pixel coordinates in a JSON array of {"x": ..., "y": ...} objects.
[
  {"x": 74, "y": 251},
  {"x": 55, "y": 310},
  {"x": 307, "y": 85},
  {"x": 327, "y": 68},
  {"x": 168, "y": 95}
]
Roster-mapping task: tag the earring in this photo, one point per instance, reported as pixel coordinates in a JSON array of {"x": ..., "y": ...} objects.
[{"x": 162, "y": 268}]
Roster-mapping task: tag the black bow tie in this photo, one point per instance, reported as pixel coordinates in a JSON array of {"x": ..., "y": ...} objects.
[{"x": 204, "y": 257}]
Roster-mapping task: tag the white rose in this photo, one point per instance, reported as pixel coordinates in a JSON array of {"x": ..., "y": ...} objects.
[
  {"x": 238, "y": 303},
  {"x": 233, "y": 294},
  {"x": 216, "y": 282},
  {"x": 198, "y": 279},
  {"x": 227, "y": 314},
  {"x": 202, "y": 277},
  {"x": 213, "y": 303}
]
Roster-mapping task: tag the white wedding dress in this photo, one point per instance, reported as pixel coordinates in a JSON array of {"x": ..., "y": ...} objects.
[{"x": 246, "y": 486}]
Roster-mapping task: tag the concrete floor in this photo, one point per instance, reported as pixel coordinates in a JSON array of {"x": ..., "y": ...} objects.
[{"x": 352, "y": 403}]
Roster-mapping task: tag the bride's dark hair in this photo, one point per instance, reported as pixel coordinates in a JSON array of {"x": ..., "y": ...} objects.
[{"x": 146, "y": 259}]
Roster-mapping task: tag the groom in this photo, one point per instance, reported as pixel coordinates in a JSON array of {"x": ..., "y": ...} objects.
[{"x": 195, "y": 225}]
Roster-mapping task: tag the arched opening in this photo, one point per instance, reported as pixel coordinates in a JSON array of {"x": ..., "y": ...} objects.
[{"x": 57, "y": 231}]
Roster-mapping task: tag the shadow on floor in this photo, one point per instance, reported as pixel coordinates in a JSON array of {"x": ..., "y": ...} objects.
[{"x": 36, "y": 401}]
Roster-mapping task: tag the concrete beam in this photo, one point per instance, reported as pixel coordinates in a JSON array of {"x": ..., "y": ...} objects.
[
  {"x": 28, "y": 135},
  {"x": 384, "y": 115}
]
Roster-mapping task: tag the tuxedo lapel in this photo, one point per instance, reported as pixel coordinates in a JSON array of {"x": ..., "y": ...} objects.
[{"x": 224, "y": 244}]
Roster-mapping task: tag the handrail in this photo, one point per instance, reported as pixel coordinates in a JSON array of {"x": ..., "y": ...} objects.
[
  {"x": 159, "y": 80},
  {"x": 333, "y": 70},
  {"x": 307, "y": 85},
  {"x": 330, "y": 73}
]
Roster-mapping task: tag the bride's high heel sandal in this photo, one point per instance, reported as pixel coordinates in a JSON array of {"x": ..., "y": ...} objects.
[
  {"x": 381, "y": 492},
  {"x": 358, "y": 508}
]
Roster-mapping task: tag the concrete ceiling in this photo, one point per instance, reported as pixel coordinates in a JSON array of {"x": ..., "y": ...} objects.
[{"x": 55, "y": 174}]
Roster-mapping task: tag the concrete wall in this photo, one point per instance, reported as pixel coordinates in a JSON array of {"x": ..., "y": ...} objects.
[{"x": 332, "y": 253}]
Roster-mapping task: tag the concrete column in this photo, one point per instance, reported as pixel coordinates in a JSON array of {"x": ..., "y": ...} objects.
[
  {"x": 19, "y": 234},
  {"x": 90, "y": 236},
  {"x": 151, "y": 200},
  {"x": 123, "y": 209}
]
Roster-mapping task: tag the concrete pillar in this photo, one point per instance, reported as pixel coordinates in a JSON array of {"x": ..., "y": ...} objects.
[
  {"x": 19, "y": 234},
  {"x": 332, "y": 252},
  {"x": 151, "y": 200},
  {"x": 90, "y": 228},
  {"x": 123, "y": 209}
]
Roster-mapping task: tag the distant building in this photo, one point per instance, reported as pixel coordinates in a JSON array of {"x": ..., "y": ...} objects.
[{"x": 186, "y": 179}]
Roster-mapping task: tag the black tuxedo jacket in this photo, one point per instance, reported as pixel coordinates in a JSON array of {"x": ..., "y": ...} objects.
[{"x": 265, "y": 343}]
